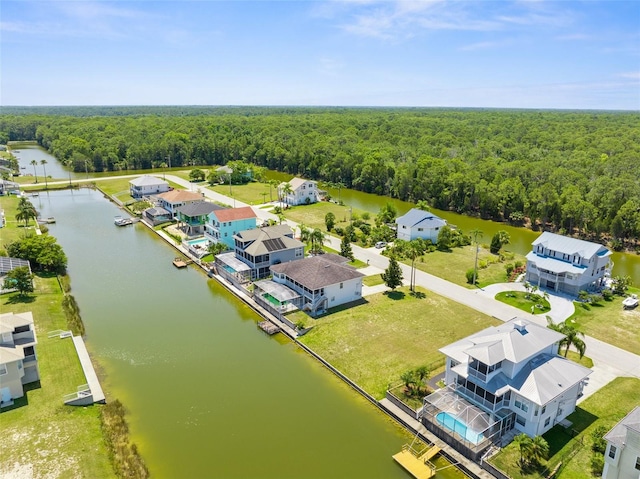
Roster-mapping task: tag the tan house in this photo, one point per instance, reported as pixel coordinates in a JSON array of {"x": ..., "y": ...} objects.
[
  {"x": 172, "y": 200},
  {"x": 18, "y": 361}
]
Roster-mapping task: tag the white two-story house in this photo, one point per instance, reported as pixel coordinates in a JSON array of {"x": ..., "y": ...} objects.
[
  {"x": 18, "y": 361},
  {"x": 302, "y": 192},
  {"x": 147, "y": 185},
  {"x": 567, "y": 265},
  {"x": 622, "y": 455},
  {"x": 512, "y": 376},
  {"x": 419, "y": 224}
]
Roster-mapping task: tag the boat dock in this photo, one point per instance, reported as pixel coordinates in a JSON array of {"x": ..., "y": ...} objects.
[
  {"x": 268, "y": 327},
  {"x": 418, "y": 466},
  {"x": 91, "y": 392},
  {"x": 182, "y": 262}
]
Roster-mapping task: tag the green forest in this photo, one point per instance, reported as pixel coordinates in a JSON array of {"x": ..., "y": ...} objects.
[{"x": 577, "y": 172}]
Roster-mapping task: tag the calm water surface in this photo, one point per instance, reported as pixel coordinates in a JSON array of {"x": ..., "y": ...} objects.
[{"x": 208, "y": 394}]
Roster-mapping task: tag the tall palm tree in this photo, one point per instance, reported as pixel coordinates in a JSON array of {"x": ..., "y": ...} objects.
[
  {"x": 571, "y": 337},
  {"x": 34, "y": 163},
  {"x": 44, "y": 163},
  {"x": 524, "y": 445},
  {"x": 272, "y": 184},
  {"x": 26, "y": 211},
  {"x": 68, "y": 163},
  {"x": 416, "y": 248},
  {"x": 317, "y": 240},
  {"x": 286, "y": 190}
]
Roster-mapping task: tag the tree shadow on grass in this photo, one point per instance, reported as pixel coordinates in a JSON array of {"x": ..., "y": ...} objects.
[
  {"x": 18, "y": 298},
  {"x": 418, "y": 294},
  {"x": 558, "y": 437},
  {"x": 395, "y": 295}
]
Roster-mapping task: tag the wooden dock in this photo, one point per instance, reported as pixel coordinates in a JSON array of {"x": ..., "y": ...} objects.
[
  {"x": 268, "y": 327},
  {"x": 181, "y": 262},
  {"x": 418, "y": 467}
]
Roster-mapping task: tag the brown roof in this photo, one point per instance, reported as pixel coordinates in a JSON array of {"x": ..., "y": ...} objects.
[
  {"x": 232, "y": 214},
  {"x": 318, "y": 271},
  {"x": 177, "y": 196}
]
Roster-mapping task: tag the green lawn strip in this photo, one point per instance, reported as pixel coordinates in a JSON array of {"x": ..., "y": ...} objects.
[
  {"x": 373, "y": 343},
  {"x": 40, "y": 430},
  {"x": 372, "y": 280},
  {"x": 609, "y": 322},
  {"x": 356, "y": 263},
  {"x": 586, "y": 361},
  {"x": 312, "y": 216},
  {"x": 252, "y": 193},
  {"x": 604, "y": 408},
  {"x": 519, "y": 300},
  {"x": 453, "y": 265}
]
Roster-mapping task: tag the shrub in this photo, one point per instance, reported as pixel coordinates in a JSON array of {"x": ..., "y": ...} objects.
[
  {"x": 607, "y": 294},
  {"x": 599, "y": 443},
  {"x": 518, "y": 264},
  {"x": 469, "y": 274},
  {"x": 509, "y": 267},
  {"x": 597, "y": 464}
]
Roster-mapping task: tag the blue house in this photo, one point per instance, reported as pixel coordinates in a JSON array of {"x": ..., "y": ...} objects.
[{"x": 223, "y": 224}]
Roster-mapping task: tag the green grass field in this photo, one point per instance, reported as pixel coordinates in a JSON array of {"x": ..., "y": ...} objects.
[
  {"x": 375, "y": 342},
  {"x": 519, "y": 300},
  {"x": 609, "y": 322},
  {"x": 39, "y": 431},
  {"x": 312, "y": 216},
  {"x": 605, "y": 408}
]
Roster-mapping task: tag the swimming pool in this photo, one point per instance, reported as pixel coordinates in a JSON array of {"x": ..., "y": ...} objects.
[
  {"x": 198, "y": 242},
  {"x": 228, "y": 268},
  {"x": 453, "y": 424}
]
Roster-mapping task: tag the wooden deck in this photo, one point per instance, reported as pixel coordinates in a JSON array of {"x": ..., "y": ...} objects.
[
  {"x": 418, "y": 467},
  {"x": 181, "y": 262},
  {"x": 268, "y": 327}
]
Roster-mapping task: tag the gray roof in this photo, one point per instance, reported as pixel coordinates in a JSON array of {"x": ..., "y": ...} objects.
[
  {"x": 420, "y": 218},
  {"x": 198, "y": 208},
  {"x": 7, "y": 264},
  {"x": 157, "y": 211},
  {"x": 270, "y": 232},
  {"x": 147, "y": 180},
  {"x": 10, "y": 321},
  {"x": 571, "y": 246},
  {"x": 555, "y": 265},
  {"x": 515, "y": 341},
  {"x": 318, "y": 271},
  {"x": 618, "y": 435}
]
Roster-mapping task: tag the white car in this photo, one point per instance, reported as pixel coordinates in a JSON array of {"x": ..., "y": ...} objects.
[{"x": 381, "y": 244}]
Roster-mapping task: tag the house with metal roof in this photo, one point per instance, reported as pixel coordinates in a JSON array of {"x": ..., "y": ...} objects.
[
  {"x": 146, "y": 185},
  {"x": 302, "y": 192},
  {"x": 263, "y": 247},
  {"x": 622, "y": 455},
  {"x": 322, "y": 281},
  {"x": 174, "y": 199},
  {"x": 501, "y": 381},
  {"x": 419, "y": 224},
  {"x": 567, "y": 265},
  {"x": 18, "y": 361},
  {"x": 223, "y": 224},
  {"x": 193, "y": 216}
]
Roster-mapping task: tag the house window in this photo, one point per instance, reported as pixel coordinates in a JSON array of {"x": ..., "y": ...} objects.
[
  {"x": 341, "y": 285},
  {"x": 637, "y": 463},
  {"x": 544, "y": 408},
  {"x": 404, "y": 227},
  {"x": 437, "y": 228},
  {"x": 522, "y": 406},
  {"x": 612, "y": 451},
  {"x": 547, "y": 421},
  {"x": 520, "y": 420},
  {"x": 21, "y": 329},
  {"x": 420, "y": 229}
]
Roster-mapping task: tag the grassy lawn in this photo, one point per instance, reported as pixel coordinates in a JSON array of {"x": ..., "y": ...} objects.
[
  {"x": 609, "y": 322},
  {"x": 374, "y": 342},
  {"x": 253, "y": 193},
  {"x": 312, "y": 216},
  {"x": 519, "y": 300},
  {"x": 604, "y": 408},
  {"x": 453, "y": 265},
  {"x": 356, "y": 263},
  {"x": 373, "y": 280},
  {"x": 39, "y": 430}
]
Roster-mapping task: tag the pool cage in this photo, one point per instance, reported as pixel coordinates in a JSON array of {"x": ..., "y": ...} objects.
[{"x": 461, "y": 424}]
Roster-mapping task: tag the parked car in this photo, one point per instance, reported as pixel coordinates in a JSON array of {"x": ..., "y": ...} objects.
[{"x": 381, "y": 244}]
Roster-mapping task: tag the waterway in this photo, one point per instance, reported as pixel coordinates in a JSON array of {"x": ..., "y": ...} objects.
[
  {"x": 27, "y": 152},
  {"x": 625, "y": 264},
  {"x": 207, "y": 393}
]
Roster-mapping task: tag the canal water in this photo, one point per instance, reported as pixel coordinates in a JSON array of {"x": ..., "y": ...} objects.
[
  {"x": 26, "y": 153},
  {"x": 207, "y": 393}
]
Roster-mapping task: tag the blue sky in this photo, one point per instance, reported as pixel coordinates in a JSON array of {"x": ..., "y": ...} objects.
[{"x": 503, "y": 54}]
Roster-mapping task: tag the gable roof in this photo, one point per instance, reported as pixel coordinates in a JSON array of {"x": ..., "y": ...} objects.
[
  {"x": 515, "y": 341},
  {"x": 198, "y": 208},
  {"x": 570, "y": 246},
  {"x": 420, "y": 218},
  {"x": 269, "y": 240},
  {"x": 147, "y": 180},
  {"x": 178, "y": 196},
  {"x": 618, "y": 435},
  {"x": 295, "y": 183},
  {"x": 235, "y": 214},
  {"x": 318, "y": 271}
]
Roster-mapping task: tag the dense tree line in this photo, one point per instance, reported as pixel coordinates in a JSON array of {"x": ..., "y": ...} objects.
[{"x": 576, "y": 171}]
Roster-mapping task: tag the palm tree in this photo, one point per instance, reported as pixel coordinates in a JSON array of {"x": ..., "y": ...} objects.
[
  {"x": 317, "y": 240},
  {"x": 305, "y": 233},
  {"x": 409, "y": 379},
  {"x": 571, "y": 337},
  {"x": 524, "y": 445},
  {"x": 538, "y": 450},
  {"x": 475, "y": 233},
  {"x": 26, "y": 211},
  {"x": 272, "y": 183},
  {"x": 286, "y": 190},
  {"x": 34, "y": 163},
  {"x": 416, "y": 248},
  {"x": 67, "y": 164},
  {"x": 46, "y": 183}
]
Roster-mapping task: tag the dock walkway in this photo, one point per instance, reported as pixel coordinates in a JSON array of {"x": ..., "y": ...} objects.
[{"x": 90, "y": 374}]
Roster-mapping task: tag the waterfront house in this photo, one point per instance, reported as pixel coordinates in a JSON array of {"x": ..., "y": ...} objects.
[
  {"x": 501, "y": 381},
  {"x": 419, "y": 224},
  {"x": 193, "y": 216},
  {"x": 261, "y": 248},
  {"x": 156, "y": 215},
  {"x": 174, "y": 199},
  {"x": 18, "y": 361},
  {"x": 223, "y": 224},
  {"x": 302, "y": 192},
  {"x": 322, "y": 281},
  {"x": 567, "y": 265},
  {"x": 146, "y": 185},
  {"x": 622, "y": 455}
]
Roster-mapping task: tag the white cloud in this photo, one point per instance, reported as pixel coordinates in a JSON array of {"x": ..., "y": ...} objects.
[{"x": 630, "y": 75}]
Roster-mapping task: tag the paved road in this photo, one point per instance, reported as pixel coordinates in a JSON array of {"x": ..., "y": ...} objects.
[{"x": 609, "y": 361}]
